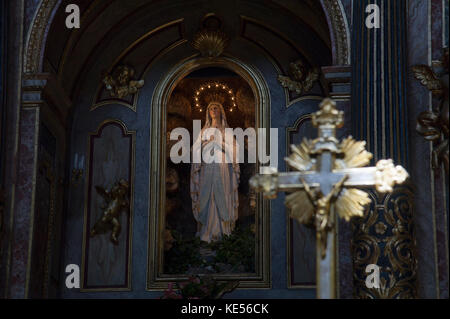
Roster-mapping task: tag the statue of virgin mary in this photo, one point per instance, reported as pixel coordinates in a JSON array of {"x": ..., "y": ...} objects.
[{"x": 214, "y": 186}]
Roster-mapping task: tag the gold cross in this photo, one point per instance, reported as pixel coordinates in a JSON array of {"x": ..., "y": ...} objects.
[{"x": 327, "y": 172}]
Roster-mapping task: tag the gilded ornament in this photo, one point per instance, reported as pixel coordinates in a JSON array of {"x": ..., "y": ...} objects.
[
  {"x": 300, "y": 80},
  {"x": 328, "y": 172},
  {"x": 210, "y": 40},
  {"x": 321, "y": 211},
  {"x": 428, "y": 78},
  {"x": 300, "y": 158},
  {"x": 350, "y": 157},
  {"x": 266, "y": 183},
  {"x": 116, "y": 201},
  {"x": 434, "y": 125},
  {"x": 355, "y": 154},
  {"x": 351, "y": 203},
  {"x": 328, "y": 115},
  {"x": 380, "y": 228},
  {"x": 211, "y": 44},
  {"x": 120, "y": 83},
  {"x": 386, "y": 239},
  {"x": 387, "y": 175}
]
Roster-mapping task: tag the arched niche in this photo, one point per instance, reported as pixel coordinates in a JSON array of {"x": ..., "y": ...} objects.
[{"x": 156, "y": 277}]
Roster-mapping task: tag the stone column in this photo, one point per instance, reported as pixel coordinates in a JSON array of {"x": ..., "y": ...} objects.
[
  {"x": 13, "y": 14},
  {"x": 36, "y": 223},
  {"x": 427, "y": 36},
  {"x": 384, "y": 236},
  {"x": 337, "y": 83}
]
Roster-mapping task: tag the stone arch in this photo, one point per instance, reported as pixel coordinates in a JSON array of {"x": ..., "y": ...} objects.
[
  {"x": 339, "y": 31},
  {"x": 37, "y": 34}
]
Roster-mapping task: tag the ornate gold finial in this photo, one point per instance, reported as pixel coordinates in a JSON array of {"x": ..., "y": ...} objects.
[
  {"x": 328, "y": 115},
  {"x": 210, "y": 40},
  {"x": 323, "y": 181},
  {"x": 300, "y": 80},
  {"x": 387, "y": 175},
  {"x": 267, "y": 182},
  {"x": 120, "y": 83}
]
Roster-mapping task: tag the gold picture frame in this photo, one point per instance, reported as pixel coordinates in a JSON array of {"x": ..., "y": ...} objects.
[{"x": 156, "y": 279}]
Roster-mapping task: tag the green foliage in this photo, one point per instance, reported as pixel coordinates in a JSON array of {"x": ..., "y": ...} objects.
[
  {"x": 184, "y": 254},
  {"x": 236, "y": 249}
]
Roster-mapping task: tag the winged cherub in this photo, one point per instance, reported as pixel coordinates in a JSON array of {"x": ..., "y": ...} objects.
[
  {"x": 300, "y": 80},
  {"x": 116, "y": 201},
  {"x": 120, "y": 83}
]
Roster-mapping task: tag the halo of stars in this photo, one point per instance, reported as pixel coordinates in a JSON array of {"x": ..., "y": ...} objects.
[{"x": 214, "y": 86}]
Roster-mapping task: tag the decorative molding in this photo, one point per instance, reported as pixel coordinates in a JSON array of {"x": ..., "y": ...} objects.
[
  {"x": 87, "y": 209},
  {"x": 43, "y": 89},
  {"x": 340, "y": 33},
  {"x": 36, "y": 36},
  {"x": 385, "y": 237},
  {"x": 210, "y": 40},
  {"x": 41, "y": 22},
  {"x": 336, "y": 81},
  {"x": 379, "y": 116},
  {"x": 434, "y": 125},
  {"x": 211, "y": 44}
]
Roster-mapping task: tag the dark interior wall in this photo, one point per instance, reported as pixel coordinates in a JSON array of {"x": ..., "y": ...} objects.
[
  {"x": 2, "y": 114},
  {"x": 84, "y": 69},
  {"x": 256, "y": 46},
  {"x": 119, "y": 23},
  {"x": 2, "y": 88},
  {"x": 426, "y": 37},
  {"x": 77, "y": 59},
  {"x": 12, "y": 16}
]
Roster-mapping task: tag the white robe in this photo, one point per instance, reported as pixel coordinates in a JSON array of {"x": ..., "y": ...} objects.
[{"x": 214, "y": 192}]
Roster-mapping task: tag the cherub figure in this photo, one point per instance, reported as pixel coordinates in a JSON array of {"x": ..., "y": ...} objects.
[
  {"x": 120, "y": 83},
  {"x": 322, "y": 205},
  {"x": 116, "y": 201},
  {"x": 300, "y": 80}
]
